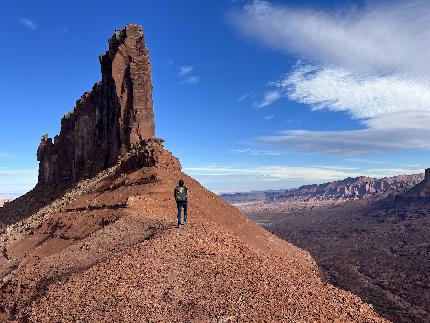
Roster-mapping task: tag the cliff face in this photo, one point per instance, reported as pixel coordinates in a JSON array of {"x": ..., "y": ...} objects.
[
  {"x": 420, "y": 190},
  {"x": 107, "y": 121},
  {"x": 359, "y": 187}
]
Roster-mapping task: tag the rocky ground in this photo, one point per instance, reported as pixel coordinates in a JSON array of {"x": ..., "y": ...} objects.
[
  {"x": 95, "y": 240},
  {"x": 379, "y": 250},
  {"x": 109, "y": 251}
]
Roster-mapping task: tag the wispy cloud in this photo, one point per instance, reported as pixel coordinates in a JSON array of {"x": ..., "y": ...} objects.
[
  {"x": 184, "y": 70},
  {"x": 269, "y": 97},
  {"x": 394, "y": 111},
  {"x": 351, "y": 142},
  {"x": 191, "y": 80},
  {"x": 27, "y": 23},
  {"x": 383, "y": 36},
  {"x": 225, "y": 178},
  {"x": 371, "y": 62},
  {"x": 370, "y": 161},
  {"x": 255, "y": 152},
  {"x": 245, "y": 96},
  {"x": 269, "y": 117},
  {"x": 362, "y": 97}
]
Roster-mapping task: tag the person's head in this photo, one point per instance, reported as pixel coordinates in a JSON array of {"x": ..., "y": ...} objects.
[{"x": 181, "y": 182}]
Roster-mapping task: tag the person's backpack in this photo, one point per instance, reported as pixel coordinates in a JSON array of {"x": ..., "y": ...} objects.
[{"x": 181, "y": 193}]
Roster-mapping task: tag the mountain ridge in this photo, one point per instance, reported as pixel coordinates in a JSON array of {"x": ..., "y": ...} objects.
[{"x": 345, "y": 189}]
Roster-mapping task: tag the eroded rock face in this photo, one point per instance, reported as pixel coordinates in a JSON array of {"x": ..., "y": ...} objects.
[
  {"x": 106, "y": 122},
  {"x": 422, "y": 189}
]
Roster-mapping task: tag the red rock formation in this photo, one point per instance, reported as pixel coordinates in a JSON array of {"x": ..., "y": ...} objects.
[{"x": 107, "y": 121}]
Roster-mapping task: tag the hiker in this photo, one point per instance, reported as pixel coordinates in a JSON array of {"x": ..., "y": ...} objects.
[{"x": 181, "y": 197}]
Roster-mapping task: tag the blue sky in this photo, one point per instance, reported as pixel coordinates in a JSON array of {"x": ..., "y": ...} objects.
[{"x": 248, "y": 94}]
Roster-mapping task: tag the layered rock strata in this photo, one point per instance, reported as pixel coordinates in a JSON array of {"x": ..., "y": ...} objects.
[{"x": 107, "y": 121}]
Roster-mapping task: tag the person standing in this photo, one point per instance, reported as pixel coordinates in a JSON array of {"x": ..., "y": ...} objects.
[{"x": 181, "y": 198}]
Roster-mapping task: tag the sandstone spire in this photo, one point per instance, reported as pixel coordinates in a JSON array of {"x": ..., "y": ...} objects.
[
  {"x": 107, "y": 121},
  {"x": 126, "y": 68}
]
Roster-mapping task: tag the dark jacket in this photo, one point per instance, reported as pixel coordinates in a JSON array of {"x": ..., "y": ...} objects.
[{"x": 180, "y": 194}]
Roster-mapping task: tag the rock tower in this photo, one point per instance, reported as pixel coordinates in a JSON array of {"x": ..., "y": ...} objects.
[{"x": 106, "y": 122}]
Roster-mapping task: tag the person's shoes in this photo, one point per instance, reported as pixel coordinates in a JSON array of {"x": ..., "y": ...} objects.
[
  {"x": 185, "y": 222},
  {"x": 178, "y": 225}
]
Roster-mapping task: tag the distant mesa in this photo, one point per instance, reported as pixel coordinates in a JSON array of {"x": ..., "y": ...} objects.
[
  {"x": 106, "y": 122},
  {"x": 349, "y": 188}
]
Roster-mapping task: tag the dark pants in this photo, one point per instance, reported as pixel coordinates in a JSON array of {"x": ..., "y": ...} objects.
[{"x": 181, "y": 205}]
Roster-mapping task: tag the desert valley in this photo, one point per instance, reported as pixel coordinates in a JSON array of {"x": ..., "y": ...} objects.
[{"x": 368, "y": 236}]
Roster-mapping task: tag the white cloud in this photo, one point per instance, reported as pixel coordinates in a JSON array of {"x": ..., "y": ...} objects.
[
  {"x": 255, "y": 152},
  {"x": 362, "y": 97},
  {"x": 371, "y": 62},
  {"x": 395, "y": 112},
  {"x": 279, "y": 172},
  {"x": 224, "y": 178},
  {"x": 370, "y": 161},
  {"x": 191, "y": 80},
  {"x": 269, "y": 97},
  {"x": 245, "y": 96},
  {"x": 269, "y": 117},
  {"x": 27, "y": 23},
  {"x": 383, "y": 36},
  {"x": 184, "y": 70},
  {"x": 351, "y": 142},
  {"x": 186, "y": 77}
]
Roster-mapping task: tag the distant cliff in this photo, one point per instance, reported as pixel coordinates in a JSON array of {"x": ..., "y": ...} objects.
[
  {"x": 422, "y": 189},
  {"x": 2, "y": 202},
  {"x": 348, "y": 188}
]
